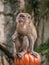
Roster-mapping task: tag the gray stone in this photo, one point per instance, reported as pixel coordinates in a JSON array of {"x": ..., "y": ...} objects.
[{"x": 7, "y": 8}]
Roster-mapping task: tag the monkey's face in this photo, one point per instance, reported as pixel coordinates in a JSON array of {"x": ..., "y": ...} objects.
[{"x": 23, "y": 22}]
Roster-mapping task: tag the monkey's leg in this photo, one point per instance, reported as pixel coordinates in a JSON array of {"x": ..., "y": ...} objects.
[
  {"x": 31, "y": 45},
  {"x": 25, "y": 46}
]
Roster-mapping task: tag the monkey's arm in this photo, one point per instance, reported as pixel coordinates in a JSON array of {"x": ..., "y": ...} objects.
[
  {"x": 6, "y": 51},
  {"x": 31, "y": 45},
  {"x": 34, "y": 32},
  {"x": 31, "y": 42},
  {"x": 14, "y": 36}
]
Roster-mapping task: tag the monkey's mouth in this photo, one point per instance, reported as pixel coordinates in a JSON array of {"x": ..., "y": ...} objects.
[{"x": 21, "y": 20}]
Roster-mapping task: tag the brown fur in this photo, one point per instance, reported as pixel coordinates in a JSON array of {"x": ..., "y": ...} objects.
[{"x": 25, "y": 34}]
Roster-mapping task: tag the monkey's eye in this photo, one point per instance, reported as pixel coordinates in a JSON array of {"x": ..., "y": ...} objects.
[{"x": 29, "y": 17}]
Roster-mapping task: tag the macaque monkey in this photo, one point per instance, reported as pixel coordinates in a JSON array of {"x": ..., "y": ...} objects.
[{"x": 25, "y": 35}]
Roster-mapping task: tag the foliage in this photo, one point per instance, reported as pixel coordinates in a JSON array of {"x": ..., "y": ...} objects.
[{"x": 43, "y": 49}]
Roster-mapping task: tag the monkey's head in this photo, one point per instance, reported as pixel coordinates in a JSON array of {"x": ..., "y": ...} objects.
[
  {"x": 23, "y": 17},
  {"x": 23, "y": 21}
]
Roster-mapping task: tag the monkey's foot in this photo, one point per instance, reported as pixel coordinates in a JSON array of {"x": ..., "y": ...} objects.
[
  {"x": 34, "y": 54},
  {"x": 19, "y": 55}
]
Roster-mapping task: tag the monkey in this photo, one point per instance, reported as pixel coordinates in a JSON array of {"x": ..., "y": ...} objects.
[{"x": 25, "y": 35}]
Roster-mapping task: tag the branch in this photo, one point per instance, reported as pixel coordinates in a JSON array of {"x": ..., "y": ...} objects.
[{"x": 6, "y": 51}]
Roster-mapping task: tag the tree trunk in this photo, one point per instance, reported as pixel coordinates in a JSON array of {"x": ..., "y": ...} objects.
[{"x": 7, "y": 28}]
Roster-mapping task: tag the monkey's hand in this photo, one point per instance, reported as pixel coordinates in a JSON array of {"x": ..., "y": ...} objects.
[
  {"x": 20, "y": 54},
  {"x": 34, "y": 54}
]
